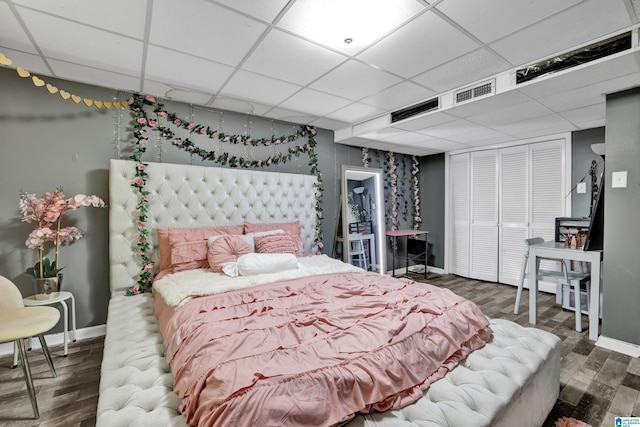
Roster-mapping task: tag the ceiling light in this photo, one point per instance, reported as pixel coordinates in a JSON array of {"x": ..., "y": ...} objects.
[{"x": 348, "y": 40}]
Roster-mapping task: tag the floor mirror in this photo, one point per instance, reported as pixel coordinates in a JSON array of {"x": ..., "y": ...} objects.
[{"x": 363, "y": 226}]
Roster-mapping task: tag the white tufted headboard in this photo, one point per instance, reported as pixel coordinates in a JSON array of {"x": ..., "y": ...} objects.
[{"x": 199, "y": 196}]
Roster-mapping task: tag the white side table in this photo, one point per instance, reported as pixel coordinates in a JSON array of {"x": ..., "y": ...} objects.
[{"x": 54, "y": 297}]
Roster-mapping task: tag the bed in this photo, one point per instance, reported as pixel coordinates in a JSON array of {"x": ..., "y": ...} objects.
[{"x": 512, "y": 379}]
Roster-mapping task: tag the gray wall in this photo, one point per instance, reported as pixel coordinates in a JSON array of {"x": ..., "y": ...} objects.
[
  {"x": 621, "y": 270},
  {"x": 432, "y": 191},
  {"x": 47, "y": 142},
  {"x": 582, "y": 155}
]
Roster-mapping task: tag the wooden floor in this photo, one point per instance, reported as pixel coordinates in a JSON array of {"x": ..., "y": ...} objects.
[{"x": 596, "y": 384}]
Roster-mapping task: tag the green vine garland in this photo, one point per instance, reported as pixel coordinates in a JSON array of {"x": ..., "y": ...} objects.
[{"x": 142, "y": 123}]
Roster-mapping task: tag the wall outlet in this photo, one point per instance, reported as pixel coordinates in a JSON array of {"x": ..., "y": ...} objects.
[
  {"x": 619, "y": 179},
  {"x": 582, "y": 188}
]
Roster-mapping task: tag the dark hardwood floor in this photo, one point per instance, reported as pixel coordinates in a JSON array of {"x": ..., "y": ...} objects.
[{"x": 596, "y": 384}]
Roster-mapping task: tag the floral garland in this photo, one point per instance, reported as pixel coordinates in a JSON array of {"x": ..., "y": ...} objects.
[
  {"x": 393, "y": 177},
  {"x": 415, "y": 191},
  {"x": 142, "y": 122},
  {"x": 365, "y": 157}
]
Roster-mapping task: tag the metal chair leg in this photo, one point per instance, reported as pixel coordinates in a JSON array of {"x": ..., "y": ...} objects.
[
  {"x": 27, "y": 376},
  {"x": 47, "y": 355}
]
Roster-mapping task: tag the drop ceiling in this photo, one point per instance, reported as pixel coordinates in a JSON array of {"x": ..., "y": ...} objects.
[{"x": 288, "y": 60}]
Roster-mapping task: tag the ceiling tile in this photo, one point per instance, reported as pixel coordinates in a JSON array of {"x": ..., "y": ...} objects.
[
  {"x": 94, "y": 76},
  {"x": 187, "y": 71},
  {"x": 259, "y": 88},
  {"x": 542, "y": 125},
  {"x": 475, "y": 66},
  {"x": 11, "y": 32},
  {"x": 449, "y": 129},
  {"x": 165, "y": 91},
  {"x": 585, "y": 114},
  {"x": 355, "y": 80},
  {"x": 330, "y": 22},
  {"x": 289, "y": 58},
  {"x": 436, "y": 41},
  {"x": 121, "y": 16},
  {"x": 354, "y": 113},
  {"x": 399, "y": 96},
  {"x": 314, "y": 102},
  {"x": 505, "y": 116},
  {"x": 491, "y": 19},
  {"x": 551, "y": 35},
  {"x": 77, "y": 43},
  {"x": 233, "y": 104},
  {"x": 330, "y": 124},
  {"x": 213, "y": 25},
  {"x": 263, "y": 10}
]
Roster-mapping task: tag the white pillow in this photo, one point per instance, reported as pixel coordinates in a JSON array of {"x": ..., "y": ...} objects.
[
  {"x": 256, "y": 263},
  {"x": 247, "y": 237}
]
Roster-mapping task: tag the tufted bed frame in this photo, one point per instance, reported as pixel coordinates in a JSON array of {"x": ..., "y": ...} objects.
[{"x": 513, "y": 380}]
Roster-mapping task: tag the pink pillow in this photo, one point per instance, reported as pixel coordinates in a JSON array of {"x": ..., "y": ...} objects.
[
  {"x": 226, "y": 249},
  {"x": 187, "y": 234},
  {"x": 291, "y": 228},
  {"x": 275, "y": 244},
  {"x": 189, "y": 255}
]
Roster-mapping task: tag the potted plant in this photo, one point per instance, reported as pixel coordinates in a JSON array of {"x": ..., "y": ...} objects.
[{"x": 48, "y": 211}]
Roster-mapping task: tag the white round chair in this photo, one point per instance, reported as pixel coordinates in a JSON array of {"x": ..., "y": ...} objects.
[{"x": 18, "y": 322}]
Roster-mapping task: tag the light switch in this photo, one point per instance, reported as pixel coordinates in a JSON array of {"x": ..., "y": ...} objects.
[
  {"x": 582, "y": 188},
  {"x": 619, "y": 179}
]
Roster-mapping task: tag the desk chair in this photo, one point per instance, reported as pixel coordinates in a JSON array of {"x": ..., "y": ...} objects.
[
  {"x": 564, "y": 277},
  {"x": 356, "y": 250},
  {"x": 18, "y": 322}
]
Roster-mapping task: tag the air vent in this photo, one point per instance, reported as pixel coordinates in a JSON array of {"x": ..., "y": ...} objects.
[
  {"x": 414, "y": 110},
  {"x": 574, "y": 58},
  {"x": 484, "y": 89}
]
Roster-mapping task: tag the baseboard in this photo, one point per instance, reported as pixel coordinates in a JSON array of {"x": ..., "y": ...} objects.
[
  {"x": 58, "y": 339},
  {"x": 623, "y": 347}
]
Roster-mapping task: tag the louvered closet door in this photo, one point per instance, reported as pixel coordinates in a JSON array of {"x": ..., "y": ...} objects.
[
  {"x": 483, "y": 259},
  {"x": 459, "y": 191},
  {"x": 547, "y": 194},
  {"x": 514, "y": 211}
]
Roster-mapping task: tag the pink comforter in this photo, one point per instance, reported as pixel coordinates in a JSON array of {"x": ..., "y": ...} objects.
[{"x": 316, "y": 350}]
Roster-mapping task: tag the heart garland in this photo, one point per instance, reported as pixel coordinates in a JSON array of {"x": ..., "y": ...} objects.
[{"x": 39, "y": 82}]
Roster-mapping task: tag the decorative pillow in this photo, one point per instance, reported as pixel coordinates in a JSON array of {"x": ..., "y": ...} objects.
[
  {"x": 249, "y": 238},
  {"x": 253, "y": 263},
  {"x": 292, "y": 228},
  {"x": 167, "y": 235},
  {"x": 189, "y": 255},
  {"x": 275, "y": 244},
  {"x": 226, "y": 249}
]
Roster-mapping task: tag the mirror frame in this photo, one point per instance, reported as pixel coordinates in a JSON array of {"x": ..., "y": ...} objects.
[{"x": 361, "y": 174}]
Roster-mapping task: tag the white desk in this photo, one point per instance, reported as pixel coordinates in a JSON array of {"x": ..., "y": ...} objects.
[
  {"x": 558, "y": 251},
  {"x": 54, "y": 297}
]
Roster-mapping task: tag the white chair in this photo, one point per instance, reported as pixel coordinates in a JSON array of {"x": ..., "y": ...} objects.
[
  {"x": 564, "y": 277},
  {"x": 357, "y": 252},
  {"x": 18, "y": 322}
]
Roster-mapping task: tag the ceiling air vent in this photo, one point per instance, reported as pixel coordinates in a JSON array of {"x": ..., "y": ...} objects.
[
  {"x": 571, "y": 59},
  {"x": 483, "y": 89},
  {"x": 414, "y": 110}
]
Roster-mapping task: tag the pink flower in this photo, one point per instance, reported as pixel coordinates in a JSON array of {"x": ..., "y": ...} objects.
[
  {"x": 162, "y": 114},
  {"x": 149, "y": 266},
  {"x": 177, "y": 121},
  {"x": 142, "y": 142},
  {"x": 320, "y": 245},
  {"x": 139, "y": 181},
  {"x": 141, "y": 120},
  {"x": 150, "y": 98},
  {"x": 136, "y": 289},
  {"x": 141, "y": 224},
  {"x": 190, "y": 126},
  {"x": 141, "y": 166},
  {"x": 203, "y": 130},
  {"x": 153, "y": 123}
]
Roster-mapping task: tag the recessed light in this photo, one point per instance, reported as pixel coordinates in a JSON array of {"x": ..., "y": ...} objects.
[{"x": 348, "y": 40}]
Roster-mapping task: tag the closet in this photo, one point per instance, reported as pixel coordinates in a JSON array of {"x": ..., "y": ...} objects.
[{"x": 499, "y": 197}]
